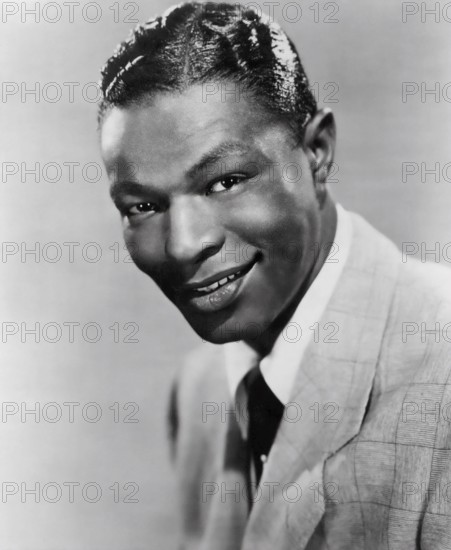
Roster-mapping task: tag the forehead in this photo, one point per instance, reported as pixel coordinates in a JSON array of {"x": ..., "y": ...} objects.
[{"x": 174, "y": 129}]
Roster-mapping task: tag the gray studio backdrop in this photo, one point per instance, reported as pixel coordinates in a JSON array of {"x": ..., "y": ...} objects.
[{"x": 107, "y": 343}]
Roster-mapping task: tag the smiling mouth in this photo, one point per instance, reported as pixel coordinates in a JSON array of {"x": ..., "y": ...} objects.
[
  {"x": 225, "y": 279},
  {"x": 222, "y": 282}
]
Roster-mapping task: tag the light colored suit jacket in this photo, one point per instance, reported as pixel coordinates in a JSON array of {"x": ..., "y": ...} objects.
[{"x": 368, "y": 463}]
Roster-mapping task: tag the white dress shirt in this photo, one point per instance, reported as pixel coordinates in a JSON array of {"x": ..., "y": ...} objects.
[{"x": 279, "y": 367}]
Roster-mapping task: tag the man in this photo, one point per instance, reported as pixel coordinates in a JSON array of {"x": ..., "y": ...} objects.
[{"x": 310, "y": 428}]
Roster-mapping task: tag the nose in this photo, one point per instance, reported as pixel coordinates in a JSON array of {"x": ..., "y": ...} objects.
[{"x": 194, "y": 233}]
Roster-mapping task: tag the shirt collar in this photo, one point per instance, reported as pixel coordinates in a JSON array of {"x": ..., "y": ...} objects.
[{"x": 279, "y": 367}]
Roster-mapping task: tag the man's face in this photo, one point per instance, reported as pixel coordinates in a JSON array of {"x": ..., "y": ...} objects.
[{"x": 218, "y": 208}]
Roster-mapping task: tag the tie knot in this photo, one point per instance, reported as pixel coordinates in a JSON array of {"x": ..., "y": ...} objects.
[{"x": 261, "y": 399}]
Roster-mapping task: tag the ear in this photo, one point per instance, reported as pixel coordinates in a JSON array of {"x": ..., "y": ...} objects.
[{"x": 319, "y": 144}]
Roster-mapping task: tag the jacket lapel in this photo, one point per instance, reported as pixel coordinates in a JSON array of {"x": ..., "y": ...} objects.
[
  {"x": 329, "y": 397},
  {"x": 230, "y": 507}
]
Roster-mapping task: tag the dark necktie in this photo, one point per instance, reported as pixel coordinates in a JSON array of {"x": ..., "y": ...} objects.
[{"x": 265, "y": 413}]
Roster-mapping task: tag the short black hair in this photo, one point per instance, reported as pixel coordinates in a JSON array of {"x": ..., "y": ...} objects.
[{"x": 201, "y": 43}]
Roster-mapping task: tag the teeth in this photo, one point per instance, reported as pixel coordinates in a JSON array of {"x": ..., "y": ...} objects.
[{"x": 222, "y": 282}]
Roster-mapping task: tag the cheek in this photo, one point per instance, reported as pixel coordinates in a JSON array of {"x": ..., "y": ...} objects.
[
  {"x": 145, "y": 250},
  {"x": 268, "y": 220},
  {"x": 286, "y": 233}
]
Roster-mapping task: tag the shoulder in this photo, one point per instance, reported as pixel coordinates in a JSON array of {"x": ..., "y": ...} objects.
[
  {"x": 203, "y": 368},
  {"x": 198, "y": 406},
  {"x": 200, "y": 381},
  {"x": 421, "y": 289},
  {"x": 422, "y": 304},
  {"x": 417, "y": 335}
]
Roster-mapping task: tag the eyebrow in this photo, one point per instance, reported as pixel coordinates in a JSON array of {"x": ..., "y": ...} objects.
[
  {"x": 217, "y": 153},
  {"x": 226, "y": 148},
  {"x": 118, "y": 188}
]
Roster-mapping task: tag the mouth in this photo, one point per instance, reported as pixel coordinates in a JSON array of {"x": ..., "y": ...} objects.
[
  {"x": 219, "y": 290},
  {"x": 211, "y": 284}
]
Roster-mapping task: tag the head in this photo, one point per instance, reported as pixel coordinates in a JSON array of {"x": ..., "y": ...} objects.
[{"x": 218, "y": 158}]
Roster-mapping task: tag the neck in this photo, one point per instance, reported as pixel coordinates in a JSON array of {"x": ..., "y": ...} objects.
[{"x": 264, "y": 344}]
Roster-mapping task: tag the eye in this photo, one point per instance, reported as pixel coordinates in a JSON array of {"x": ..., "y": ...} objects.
[
  {"x": 225, "y": 183},
  {"x": 141, "y": 208}
]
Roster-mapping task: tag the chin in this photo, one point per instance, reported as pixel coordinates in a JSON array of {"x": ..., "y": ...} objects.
[
  {"x": 224, "y": 329},
  {"x": 217, "y": 337},
  {"x": 220, "y": 334}
]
